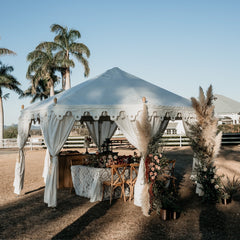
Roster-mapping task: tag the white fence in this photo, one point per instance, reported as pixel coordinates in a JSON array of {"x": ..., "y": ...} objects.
[
  {"x": 39, "y": 142},
  {"x": 78, "y": 142}
]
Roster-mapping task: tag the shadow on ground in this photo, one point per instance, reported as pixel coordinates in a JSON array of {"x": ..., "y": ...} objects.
[
  {"x": 29, "y": 212},
  {"x": 94, "y": 213}
]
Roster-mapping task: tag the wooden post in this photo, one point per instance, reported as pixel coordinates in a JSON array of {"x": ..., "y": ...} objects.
[
  {"x": 22, "y": 107},
  {"x": 144, "y": 99},
  {"x": 55, "y": 101}
]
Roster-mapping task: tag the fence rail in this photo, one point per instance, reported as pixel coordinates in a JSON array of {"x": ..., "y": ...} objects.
[{"x": 78, "y": 142}]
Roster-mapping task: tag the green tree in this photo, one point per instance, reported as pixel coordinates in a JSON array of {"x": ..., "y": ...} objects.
[
  {"x": 41, "y": 91},
  {"x": 6, "y": 81},
  {"x": 11, "y": 132},
  {"x": 66, "y": 45},
  {"x": 42, "y": 68}
]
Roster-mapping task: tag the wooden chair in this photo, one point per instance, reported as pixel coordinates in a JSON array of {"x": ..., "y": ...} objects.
[
  {"x": 117, "y": 180},
  {"x": 132, "y": 180}
]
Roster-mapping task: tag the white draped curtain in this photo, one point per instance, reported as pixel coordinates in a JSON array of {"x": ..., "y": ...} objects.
[
  {"x": 55, "y": 133},
  {"x": 23, "y": 133},
  {"x": 129, "y": 129},
  {"x": 100, "y": 130},
  {"x": 46, "y": 165}
]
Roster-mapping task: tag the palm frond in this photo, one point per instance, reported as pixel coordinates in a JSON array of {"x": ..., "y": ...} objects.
[
  {"x": 58, "y": 29},
  {"x": 36, "y": 54},
  {"x": 80, "y": 48},
  {"x": 48, "y": 45},
  {"x": 85, "y": 65},
  {"x": 5, "y": 51},
  {"x": 74, "y": 34}
]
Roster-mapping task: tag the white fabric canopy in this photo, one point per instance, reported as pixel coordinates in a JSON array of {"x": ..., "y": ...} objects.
[
  {"x": 114, "y": 94},
  {"x": 100, "y": 130},
  {"x": 23, "y": 131},
  {"x": 55, "y": 134}
]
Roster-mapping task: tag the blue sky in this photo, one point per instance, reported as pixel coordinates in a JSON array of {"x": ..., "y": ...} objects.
[{"x": 177, "y": 45}]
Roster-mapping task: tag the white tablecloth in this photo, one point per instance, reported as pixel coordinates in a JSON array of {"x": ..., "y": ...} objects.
[{"x": 87, "y": 181}]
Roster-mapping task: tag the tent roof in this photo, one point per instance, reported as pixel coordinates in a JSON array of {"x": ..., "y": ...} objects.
[
  {"x": 224, "y": 105},
  {"x": 116, "y": 87},
  {"x": 110, "y": 90}
]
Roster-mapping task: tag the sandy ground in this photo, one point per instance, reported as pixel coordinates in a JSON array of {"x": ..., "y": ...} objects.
[{"x": 27, "y": 217}]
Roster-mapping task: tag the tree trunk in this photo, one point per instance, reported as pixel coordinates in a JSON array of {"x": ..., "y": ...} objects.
[
  {"x": 51, "y": 91},
  {"x": 1, "y": 122},
  {"x": 68, "y": 83},
  {"x": 63, "y": 79}
]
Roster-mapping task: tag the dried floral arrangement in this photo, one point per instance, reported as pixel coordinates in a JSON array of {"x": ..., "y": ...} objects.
[
  {"x": 155, "y": 194},
  {"x": 206, "y": 142}
]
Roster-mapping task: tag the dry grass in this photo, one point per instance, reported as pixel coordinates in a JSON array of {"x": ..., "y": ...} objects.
[{"x": 27, "y": 217}]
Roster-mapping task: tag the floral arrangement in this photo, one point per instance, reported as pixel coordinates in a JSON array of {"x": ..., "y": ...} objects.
[
  {"x": 161, "y": 196},
  {"x": 206, "y": 142},
  {"x": 156, "y": 166},
  {"x": 110, "y": 159},
  {"x": 210, "y": 182}
]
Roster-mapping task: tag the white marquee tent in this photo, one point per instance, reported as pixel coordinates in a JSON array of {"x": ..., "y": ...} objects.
[{"x": 112, "y": 99}]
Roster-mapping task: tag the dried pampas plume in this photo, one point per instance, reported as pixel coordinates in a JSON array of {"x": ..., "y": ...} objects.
[
  {"x": 145, "y": 201},
  {"x": 205, "y": 140},
  {"x": 144, "y": 130}
]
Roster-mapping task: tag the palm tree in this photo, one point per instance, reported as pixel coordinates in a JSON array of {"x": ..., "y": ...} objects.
[
  {"x": 41, "y": 91},
  {"x": 65, "y": 43},
  {"x": 6, "y": 81},
  {"x": 42, "y": 67}
]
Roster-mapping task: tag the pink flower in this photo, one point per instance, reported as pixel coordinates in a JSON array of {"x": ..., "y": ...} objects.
[
  {"x": 155, "y": 157},
  {"x": 158, "y": 161},
  {"x": 151, "y": 164},
  {"x": 153, "y": 169},
  {"x": 153, "y": 177},
  {"x": 155, "y": 174},
  {"x": 151, "y": 173},
  {"x": 158, "y": 167},
  {"x": 160, "y": 155}
]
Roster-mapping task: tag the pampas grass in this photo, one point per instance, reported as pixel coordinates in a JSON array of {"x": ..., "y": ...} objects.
[
  {"x": 205, "y": 140},
  {"x": 144, "y": 134},
  {"x": 144, "y": 131},
  {"x": 145, "y": 201}
]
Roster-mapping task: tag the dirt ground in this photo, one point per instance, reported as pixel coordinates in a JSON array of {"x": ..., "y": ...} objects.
[{"x": 27, "y": 217}]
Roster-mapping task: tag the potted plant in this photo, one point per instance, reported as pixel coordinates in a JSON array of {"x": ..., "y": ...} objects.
[{"x": 230, "y": 188}]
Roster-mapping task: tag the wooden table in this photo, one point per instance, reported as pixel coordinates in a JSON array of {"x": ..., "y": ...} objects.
[{"x": 65, "y": 161}]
